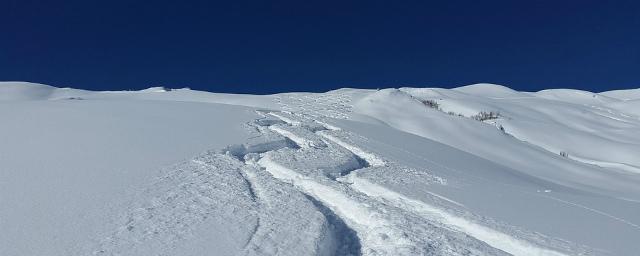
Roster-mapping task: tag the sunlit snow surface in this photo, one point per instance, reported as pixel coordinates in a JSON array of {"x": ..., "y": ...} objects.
[{"x": 347, "y": 172}]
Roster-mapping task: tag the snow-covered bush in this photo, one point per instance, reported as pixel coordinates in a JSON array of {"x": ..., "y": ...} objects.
[
  {"x": 430, "y": 103},
  {"x": 483, "y": 115}
]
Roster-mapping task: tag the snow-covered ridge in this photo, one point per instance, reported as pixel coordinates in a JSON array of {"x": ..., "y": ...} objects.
[
  {"x": 630, "y": 94},
  {"x": 476, "y": 170},
  {"x": 20, "y": 91}
]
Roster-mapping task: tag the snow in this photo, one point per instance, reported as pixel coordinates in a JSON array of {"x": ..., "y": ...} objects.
[
  {"x": 631, "y": 94},
  {"x": 575, "y": 96},
  {"x": 65, "y": 165},
  {"x": 371, "y": 159},
  {"x": 492, "y": 237},
  {"x": 630, "y": 107},
  {"x": 348, "y": 172},
  {"x": 487, "y": 90}
]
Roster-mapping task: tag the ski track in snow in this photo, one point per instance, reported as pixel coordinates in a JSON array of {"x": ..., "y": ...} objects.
[
  {"x": 626, "y": 222},
  {"x": 299, "y": 175},
  {"x": 492, "y": 237},
  {"x": 224, "y": 187},
  {"x": 346, "y": 201},
  {"x": 371, "y": 159}
]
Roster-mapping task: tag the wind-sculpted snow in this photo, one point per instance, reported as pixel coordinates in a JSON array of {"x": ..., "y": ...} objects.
[
  {"x": 209, "y": 188},
  {"x": 213, "y": 189}
]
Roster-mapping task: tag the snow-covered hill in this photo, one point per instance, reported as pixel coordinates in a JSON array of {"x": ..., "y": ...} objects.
[{"x": 408, "y": 171}]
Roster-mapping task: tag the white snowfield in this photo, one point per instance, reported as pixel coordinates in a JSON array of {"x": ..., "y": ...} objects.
[{"x": 408, "y": 171}]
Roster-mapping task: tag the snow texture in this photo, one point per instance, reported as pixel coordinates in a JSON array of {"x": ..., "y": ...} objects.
[{"x": 349, "y": 172}]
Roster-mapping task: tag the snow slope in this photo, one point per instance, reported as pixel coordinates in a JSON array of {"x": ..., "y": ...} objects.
[
  {"x": 632, "y": 94},
  {"x": 590, "y": 126},
  {"x": 64, "y": 163},
  {"x": 347, "y": 172}
]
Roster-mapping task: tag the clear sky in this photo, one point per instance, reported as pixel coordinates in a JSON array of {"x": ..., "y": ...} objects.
[{"x": 299, "y": 45}]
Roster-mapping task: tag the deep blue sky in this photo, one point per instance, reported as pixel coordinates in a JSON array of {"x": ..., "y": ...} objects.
[{"x": 274, "y": 46}]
